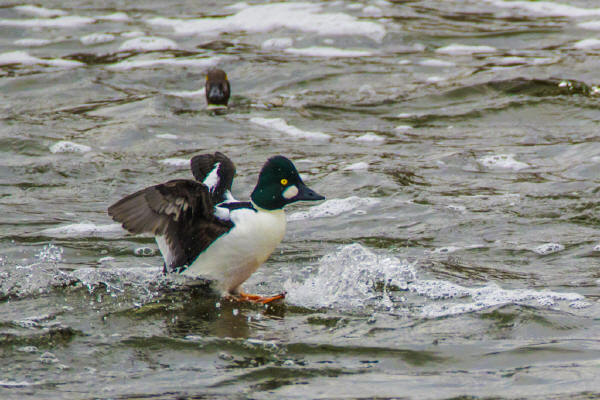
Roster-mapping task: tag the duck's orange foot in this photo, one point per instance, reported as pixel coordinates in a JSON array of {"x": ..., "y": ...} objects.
[{"x": 255, "y": 298}]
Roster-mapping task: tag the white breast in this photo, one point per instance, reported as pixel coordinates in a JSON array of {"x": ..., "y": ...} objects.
[{"x": 233, "y": 257}]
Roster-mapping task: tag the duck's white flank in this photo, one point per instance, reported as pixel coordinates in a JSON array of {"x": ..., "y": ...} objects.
[{"x": 233, "y": 257}]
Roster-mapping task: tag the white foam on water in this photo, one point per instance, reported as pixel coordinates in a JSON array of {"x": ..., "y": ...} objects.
[
  {"x": 596, "y": 247},
  {"x": 69, "y": 147},
  {"x": 306, "y": 160},
  {"x": 199, "y": 63},
  {"x": 347, "y": 279},
  {"x": 322, "y": 51},
  {"x": 307, "y": 17},
  {"x": 176, "y": 162},
  {"x": 452, "y": 249},
  {"x": 435, "y": 79},
  {"x": 333, "y": 207},
  {"x": 354, "y": 277},
  {"x": 132, "y": 34},
  {"x": 82, "y": 229},
  {"x": 439, "y": 290},
  {"x": 15, "y": 384},
  {"x": 482, "y": 298},
  {"x": 238, "y": 6},
  {"x": 547, "y": 8},
  {"x": 357, "y": 166},
  {"x": 591, "y": 25},
  {"x": 366, "y": 90},
  {"x": 370, "y": 137},
  {"x": 191, "y": 93},
  {"x": 372, "y": 11},
  {"x": 277, "y": 43},
  {"x": 432, "y": 62},
  {"x": 116, "y": 17},
  {"x": 446, "y": 250},
  {"x": 280, "y": 125},
  {"x": 148, "y": 43},
  {"x": 96, "y": 38},
  {"x": 27, "y": 349},
  {"x": 512, "y": 60},
  {"x": 457, "y": 208},
  {"x": 580, "y": 304},
  {"x": 32, "y": 42},
  {"x": 548, "y": 248},
  {"x": 68, "y": 21},
  {"x": 461, "y": 49},
  {"x": 587, "y": 44},
  {"x": 24, "y": 58},
  {"x": 168, "y": 136},
  {"x": 502, "y": 161},
  {"x": 403, "y": 128},
  {"x": 36, "y": 11}
]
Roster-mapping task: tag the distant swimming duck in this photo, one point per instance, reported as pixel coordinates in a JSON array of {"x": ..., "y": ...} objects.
[
  {"x": 217, "y": 87},
  {"x": 204, "y": 233}
]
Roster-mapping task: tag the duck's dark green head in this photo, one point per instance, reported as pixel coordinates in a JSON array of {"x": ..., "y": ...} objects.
[{"x": 280, "y": 184}]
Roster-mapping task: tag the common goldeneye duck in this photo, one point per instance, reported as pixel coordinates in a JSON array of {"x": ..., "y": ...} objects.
[
  {"x": 204, "y": 233},
  {"x": 217, "y": 88}
]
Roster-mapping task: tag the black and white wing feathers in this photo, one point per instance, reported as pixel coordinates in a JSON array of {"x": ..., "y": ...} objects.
[{"x": 180, "y": 212}]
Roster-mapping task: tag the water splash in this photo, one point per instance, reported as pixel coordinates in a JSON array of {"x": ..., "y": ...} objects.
[
  {"x": 144, "y": 283},
  {"x": 45, "y": 275},
  {"x": 36, "y": 278},
  {"x": 50, "y": 253},
  {"x": 353, "y": 277}
]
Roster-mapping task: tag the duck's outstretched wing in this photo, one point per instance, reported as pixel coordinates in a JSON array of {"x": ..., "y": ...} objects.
[
  {"x": 216, "y": 171},
  {"x": 180, "y": 213}
]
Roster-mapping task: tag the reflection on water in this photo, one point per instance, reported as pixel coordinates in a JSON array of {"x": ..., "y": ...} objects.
[{"x": 456, "y": 142}]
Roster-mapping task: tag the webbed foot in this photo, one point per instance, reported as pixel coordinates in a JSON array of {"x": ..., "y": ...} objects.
[{"x": 255, "y": 298}]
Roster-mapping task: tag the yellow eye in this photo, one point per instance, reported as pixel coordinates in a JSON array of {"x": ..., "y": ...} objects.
[{"x": 284, "y": 181}]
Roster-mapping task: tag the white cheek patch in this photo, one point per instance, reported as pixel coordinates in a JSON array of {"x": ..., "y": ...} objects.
[
  {"x": 290, "y": 192},
  {"x": 212, "y": 179}
]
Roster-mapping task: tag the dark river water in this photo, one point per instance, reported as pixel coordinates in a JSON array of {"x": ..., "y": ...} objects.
[{"x": 456, "y": 256}]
